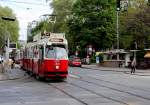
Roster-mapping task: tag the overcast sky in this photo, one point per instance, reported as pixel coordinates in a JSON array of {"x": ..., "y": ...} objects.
[{"x": 27, "y": 11}]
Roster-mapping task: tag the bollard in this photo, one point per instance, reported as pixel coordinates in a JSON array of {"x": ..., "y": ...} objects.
[{"x": 1, "y": 67}]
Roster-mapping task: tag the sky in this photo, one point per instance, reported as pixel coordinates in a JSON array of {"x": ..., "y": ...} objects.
[{"x": 26, "y": 11}]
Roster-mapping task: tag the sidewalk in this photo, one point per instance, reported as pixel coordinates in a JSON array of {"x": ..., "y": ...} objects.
[
  {"x": 12, "y": 74},
  {"x": 124, "y": 70}
]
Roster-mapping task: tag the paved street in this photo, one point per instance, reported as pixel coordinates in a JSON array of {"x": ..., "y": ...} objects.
[{"x": 84, "y": 86}]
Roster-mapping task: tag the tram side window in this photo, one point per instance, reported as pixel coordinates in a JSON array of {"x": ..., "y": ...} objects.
[
  {"x": 21, "y": 55},
  {"x": 36, "y": 52},
  {"x": 25, "y": 53},
  {"x": 29, "y": 53},
  {"x": 41, "y": 52}
]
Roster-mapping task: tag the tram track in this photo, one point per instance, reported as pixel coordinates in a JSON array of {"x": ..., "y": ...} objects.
[
  {"x": 98, "y": 94},
  {"x": 85, "y": 89},
  {"x": 111, "y": 88},
  {"x": 132, "y": 87},
  {"x": 114, "y": 83},
  {"x": 68, "y": 94}
]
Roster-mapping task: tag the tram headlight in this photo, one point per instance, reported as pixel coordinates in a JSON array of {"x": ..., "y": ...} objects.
[{"x": 57, "y": 67}]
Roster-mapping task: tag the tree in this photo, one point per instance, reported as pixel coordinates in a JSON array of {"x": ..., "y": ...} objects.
[
  {"x": 93, "y": 23},
  {"x": 62, "y": 10},
  {"x": 135, "y": 25},
  {"x": 8, "y": 28}
]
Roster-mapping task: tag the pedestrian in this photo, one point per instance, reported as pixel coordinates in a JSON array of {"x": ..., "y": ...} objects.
[
  {"x": 133, "y": 65},
  {"x": 87, "y": 60},
  {"x": 12, "y": 62}
]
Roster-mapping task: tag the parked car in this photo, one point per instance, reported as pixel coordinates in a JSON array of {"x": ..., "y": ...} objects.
[{"x": 75, "y": 61}]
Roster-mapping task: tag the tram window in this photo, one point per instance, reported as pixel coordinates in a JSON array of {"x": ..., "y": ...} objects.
[
  {"x": 56, "y": 52},
  {"x": 49, "y": 52},
  {"x": 61, "y": 53}
]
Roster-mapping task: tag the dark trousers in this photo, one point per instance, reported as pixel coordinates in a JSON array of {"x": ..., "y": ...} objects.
[{"x": 132, "y": 69}]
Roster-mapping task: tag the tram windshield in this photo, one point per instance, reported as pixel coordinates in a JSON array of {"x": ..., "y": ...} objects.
[{"x": 56, "y": 52}]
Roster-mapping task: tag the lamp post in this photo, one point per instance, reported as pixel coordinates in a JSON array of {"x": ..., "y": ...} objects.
[
  {"x": 7, "y": 48},
  {"x": 125, "y": 6},
  {"x": 117, "y": 25},
  {"x": 117, "y": 29}
]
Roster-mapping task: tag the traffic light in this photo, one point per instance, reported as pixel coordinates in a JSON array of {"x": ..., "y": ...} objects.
[{"x": 118, "y": 4}]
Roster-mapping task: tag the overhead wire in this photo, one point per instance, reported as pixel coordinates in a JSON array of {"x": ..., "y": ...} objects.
[
  {"x": 11, "y": 3},
  {"x": 22, "y": 2},
  {"x": 25, "y": 8}
]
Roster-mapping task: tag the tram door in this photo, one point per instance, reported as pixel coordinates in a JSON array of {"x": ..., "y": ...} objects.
[{"x": 41, "y": 60}]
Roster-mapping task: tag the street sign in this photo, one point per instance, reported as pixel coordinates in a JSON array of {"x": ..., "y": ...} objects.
[
  {"x": 8, "y": 18},
  {"x": 12, "y": 45}
]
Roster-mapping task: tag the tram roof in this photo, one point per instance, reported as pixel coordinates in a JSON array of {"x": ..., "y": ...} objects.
[
  {"x": 48, "y": 41},
  {"x": 54, "y": 38}
]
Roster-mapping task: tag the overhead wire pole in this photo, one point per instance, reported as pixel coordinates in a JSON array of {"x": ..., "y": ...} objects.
[
  {"x": 117, "y": 25},
  {"x": 117, "y": 31}
]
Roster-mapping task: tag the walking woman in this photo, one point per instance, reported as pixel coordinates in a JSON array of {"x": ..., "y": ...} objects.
[{"x": 133, "y": 65}]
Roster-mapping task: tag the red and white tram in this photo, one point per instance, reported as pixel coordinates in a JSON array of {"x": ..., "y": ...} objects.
[{"x": 47, "y": 56}]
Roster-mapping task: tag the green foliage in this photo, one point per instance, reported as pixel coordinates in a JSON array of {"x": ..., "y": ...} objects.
[
  {"x": 93, "y": 22},
  {"x": 62, "y": 10},
  {"x": 140, "y": 55},
  {"x": 84, "y": 22},
  {"x": 8, "y": 28},
  {"x": 134, "y": 25},
  {"x": 93, "y": 59}
]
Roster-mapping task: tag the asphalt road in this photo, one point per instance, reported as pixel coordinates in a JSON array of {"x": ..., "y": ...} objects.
[{"x": 83, "y": 87}]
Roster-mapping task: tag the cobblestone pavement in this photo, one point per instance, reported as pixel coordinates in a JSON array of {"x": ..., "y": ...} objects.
[{"x": 11, "y": 74}]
